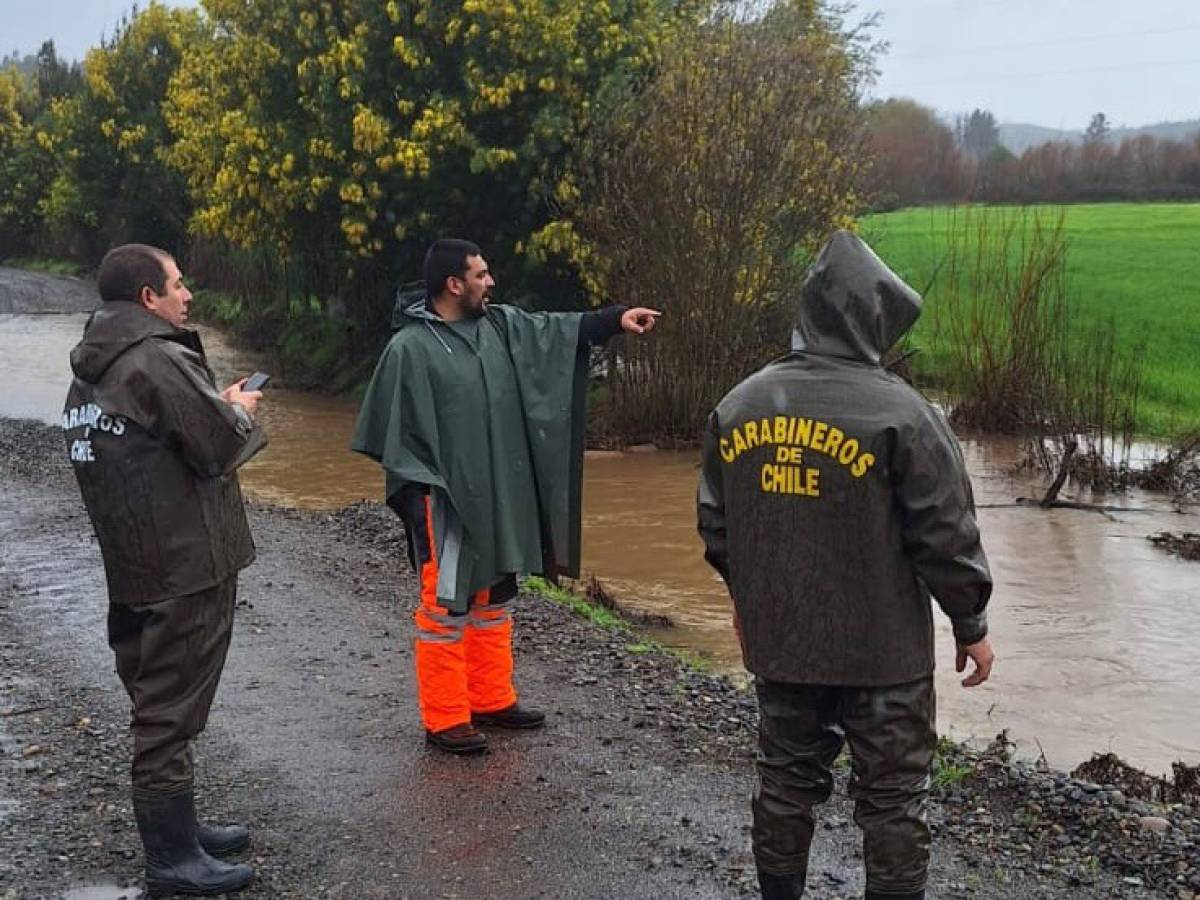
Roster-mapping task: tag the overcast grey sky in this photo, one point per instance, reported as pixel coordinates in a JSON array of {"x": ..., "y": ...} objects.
[{"x": 1046, "y": 62}]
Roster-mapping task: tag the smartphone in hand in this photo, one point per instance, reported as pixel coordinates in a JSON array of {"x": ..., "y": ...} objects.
[{"x": 256, "y": 382}]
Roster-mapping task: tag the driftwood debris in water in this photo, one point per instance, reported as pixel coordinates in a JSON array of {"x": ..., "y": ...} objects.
[
  {"x": 1061, "y": 477},
  {"x": 1186, "y": 544}
]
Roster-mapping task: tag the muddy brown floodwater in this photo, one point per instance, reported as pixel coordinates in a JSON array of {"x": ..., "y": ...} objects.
[{"x": 1095, "y": 629}]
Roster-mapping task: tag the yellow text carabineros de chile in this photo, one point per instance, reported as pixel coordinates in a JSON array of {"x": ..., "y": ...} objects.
[{"x": 791, "y": 436}]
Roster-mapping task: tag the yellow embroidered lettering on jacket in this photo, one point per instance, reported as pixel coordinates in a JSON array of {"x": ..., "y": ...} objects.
[
  {"x": 790, "y": 480},
  {"x": 790, "y": 436}
]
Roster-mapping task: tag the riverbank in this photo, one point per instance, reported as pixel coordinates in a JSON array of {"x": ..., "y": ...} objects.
[
  {"x": 641, "y": 779},
  {"x": 33, "y": 291}
]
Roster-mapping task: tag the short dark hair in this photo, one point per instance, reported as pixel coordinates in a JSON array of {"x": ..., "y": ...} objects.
[
  {"x": 125, "y": 270},
  {"x": 446, "y": 258}
]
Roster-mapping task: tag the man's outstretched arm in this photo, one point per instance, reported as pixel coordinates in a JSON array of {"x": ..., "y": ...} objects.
[{"x": 599, "y": 325}]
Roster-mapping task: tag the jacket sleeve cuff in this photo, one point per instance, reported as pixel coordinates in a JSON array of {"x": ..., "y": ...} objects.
[
  {"x": 599, "y": 325},
  {"x": 244, "y": 424},
  {"x": 970, "y": 629}
]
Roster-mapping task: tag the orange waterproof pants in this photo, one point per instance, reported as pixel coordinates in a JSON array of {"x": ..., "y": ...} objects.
[{"x": 464, "y": 662}]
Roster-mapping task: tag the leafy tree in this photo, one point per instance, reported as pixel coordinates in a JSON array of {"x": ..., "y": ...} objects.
[
  {"x": 19, "y": 185},
  {"x": 995, "y": 175},
  {"x": 29, "y": 87},
  {"x": 344, "y": 136},
  {"x": 914, "y": 156},
  {"x": 707, "y": 193},
  {"x": 55, "y": 77},
  {"x": 980, "y": 134},
  {"x": 111, "y": 183},
  {"x": 1098, "y": 129}
]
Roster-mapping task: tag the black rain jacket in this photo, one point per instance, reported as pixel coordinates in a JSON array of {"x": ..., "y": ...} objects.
[
  {"x": 155, "y": 449},
  {"x": 834, "y": 498}
]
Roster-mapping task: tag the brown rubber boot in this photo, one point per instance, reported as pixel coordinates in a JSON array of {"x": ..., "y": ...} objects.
[{"x": 459, "y": 739}]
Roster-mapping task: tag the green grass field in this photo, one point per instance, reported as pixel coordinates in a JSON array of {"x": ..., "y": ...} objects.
[{"x": 1137, "y": 264}]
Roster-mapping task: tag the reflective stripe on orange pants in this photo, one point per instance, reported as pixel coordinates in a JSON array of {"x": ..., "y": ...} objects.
[{"x": 464, "y": 662}]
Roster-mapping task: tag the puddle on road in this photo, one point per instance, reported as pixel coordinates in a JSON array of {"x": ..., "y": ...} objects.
[{"x": 102, "y": 892}]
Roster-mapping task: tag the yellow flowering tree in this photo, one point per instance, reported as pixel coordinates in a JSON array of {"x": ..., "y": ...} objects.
[
  {"x": 106, "y": 142},
  {"x": 345, "y": 135},
  {"x": 28, "y": 88},
  {"x": 18, "y": 187}
]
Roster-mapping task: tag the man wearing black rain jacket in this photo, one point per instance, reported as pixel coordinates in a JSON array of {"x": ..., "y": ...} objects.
[
  {"x": 834, "y": 501},
  {"x": 155, "y": 448}
]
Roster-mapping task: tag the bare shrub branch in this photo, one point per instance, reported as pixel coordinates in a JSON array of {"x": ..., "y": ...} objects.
[
  {"x": 1017, "y": 361},
  {"x": 709, "y": 193}
]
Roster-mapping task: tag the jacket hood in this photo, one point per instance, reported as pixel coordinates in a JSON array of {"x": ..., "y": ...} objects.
[
  {"x": 410, "y": 306},
  {"x": 852, "y": 305},
  {"x": 114, "y": 328}
]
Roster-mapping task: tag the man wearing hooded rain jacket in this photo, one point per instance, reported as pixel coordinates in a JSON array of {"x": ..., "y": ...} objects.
[
  {"x": 834, "y": 501},
  {"x": 155, "y": 448},
  {"x": 476, "y": 414}
]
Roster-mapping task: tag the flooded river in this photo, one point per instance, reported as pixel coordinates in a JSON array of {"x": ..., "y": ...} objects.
[{"x": 1095, "y": 629}]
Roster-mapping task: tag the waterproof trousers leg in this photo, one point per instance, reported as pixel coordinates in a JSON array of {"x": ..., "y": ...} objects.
[
  {"x": 169, "y": 656},
  {"x": 464, "y": 662},
  {"x": 489, "y": 656},
  {"x": 890, "y": 731}
]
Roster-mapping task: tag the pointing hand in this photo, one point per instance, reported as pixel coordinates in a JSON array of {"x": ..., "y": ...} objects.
[{"x": 639, "y": 319}]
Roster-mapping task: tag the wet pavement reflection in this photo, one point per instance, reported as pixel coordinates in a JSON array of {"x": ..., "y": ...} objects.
[
  {"x": 102, "y": 892},
  {"x": 1094, "y": 628}
]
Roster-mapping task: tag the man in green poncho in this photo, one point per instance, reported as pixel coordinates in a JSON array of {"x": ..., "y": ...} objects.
[{"x": 476, "y": 413}]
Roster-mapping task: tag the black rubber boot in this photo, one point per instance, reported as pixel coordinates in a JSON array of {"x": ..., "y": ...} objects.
[
  {"x": 515, "y": 716},
  {"x": 781, "y": 887},
  {"x": 175, "y": 861},
  {"x": 914, "y": 895},
  {"x": 221, "y": 840}
]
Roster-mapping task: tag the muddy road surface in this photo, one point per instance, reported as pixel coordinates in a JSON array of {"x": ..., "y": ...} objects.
[{"x": 638, "y": 787}]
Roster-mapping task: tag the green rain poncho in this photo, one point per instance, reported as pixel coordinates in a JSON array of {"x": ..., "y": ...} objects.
[{"x": 488, "y": 414}]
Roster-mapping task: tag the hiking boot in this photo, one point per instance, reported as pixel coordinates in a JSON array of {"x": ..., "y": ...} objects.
[
  {"x": 221, "y": 840},
  {"x": 781, "y": 887},
  {"x": 460, "y": 739},
  {"x": 515, "y": 716},
  {"x": 175, "y": 861},
  {"x": 914, "y": 895}
]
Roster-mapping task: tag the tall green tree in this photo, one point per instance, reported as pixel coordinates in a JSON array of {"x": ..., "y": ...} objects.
[
  {"x": 1098, "y": 129},
  {"x": 19, "y": 182},
  {"x": 980, "y": 134},
  {"x": 30, "y": 86}
]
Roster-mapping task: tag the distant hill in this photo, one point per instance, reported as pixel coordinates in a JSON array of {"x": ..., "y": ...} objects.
[{"x": 1019, "y": 138}]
